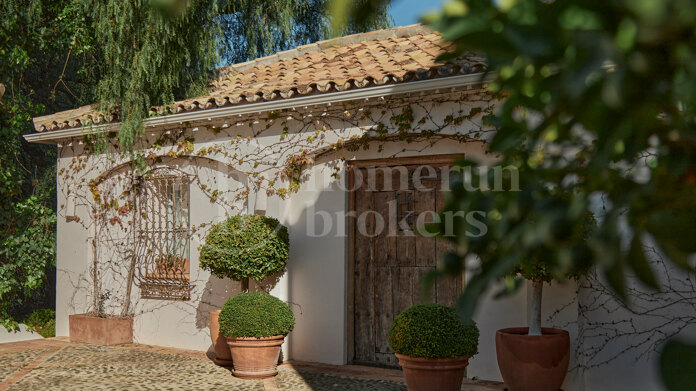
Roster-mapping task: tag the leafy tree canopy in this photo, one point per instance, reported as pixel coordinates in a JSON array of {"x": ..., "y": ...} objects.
[
  {"x": 599, "y": 103},
  {"x": 155, "y": 51},
  {"x": 35, "y": 38},
  {"x": 60, "y": 54}
]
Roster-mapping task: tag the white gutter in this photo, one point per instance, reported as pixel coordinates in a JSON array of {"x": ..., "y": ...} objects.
[{"x": 51, "y": 137}]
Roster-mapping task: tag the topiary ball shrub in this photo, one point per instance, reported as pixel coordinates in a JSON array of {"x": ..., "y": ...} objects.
[
  {"x": 432, "y": 331},
  {"x": 246, "y": 246},
  {"x": 255, "y": 314}
]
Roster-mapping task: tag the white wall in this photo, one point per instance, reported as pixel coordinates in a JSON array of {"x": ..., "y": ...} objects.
[
  {"x": 182, "y": 324},
  {"x": 23, "y": 334}
]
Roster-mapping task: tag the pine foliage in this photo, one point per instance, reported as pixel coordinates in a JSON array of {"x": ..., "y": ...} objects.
[
  {"x": 156, "y": 51},
  {"x": 152, "y": 51}
]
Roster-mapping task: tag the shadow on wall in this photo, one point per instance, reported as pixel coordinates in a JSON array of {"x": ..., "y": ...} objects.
[
  {"x": 268, "y": 283},
  {"x": 214, "y": 295}
]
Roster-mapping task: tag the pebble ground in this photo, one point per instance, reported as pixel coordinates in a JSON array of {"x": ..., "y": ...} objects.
[{"x": 61, "y": 365}]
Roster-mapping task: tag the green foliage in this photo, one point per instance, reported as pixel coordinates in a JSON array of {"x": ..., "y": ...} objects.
[
  {"x": 433, "y": 331},
  {"x": 540, "y": 268},
  {"x": 60, "y": 54},
  {"x": 26, "y": 256},
  {"x": 42, "y": 45},
  {"x": 246, "y": 246},
  {"x": 255, "y": 314},
  {"x": 150, "y": 56},
  {"x": 354, "y": 16},
  {"x": 677, "y": 363},
  {"x": 43, "y": 322},
  {"x": 154, "y": 52},
  {"x": 611, "y": 85},
  {"x": 625, "y": 127}
]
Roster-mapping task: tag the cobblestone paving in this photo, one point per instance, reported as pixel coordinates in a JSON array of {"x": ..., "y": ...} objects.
[
  {"x": 93, "y": 367},
  {"x": 11, "y": 363},
  {"x": 63, "y": 366},
  {"x": 155, "y": 376},
  {"x": 20, "y": 359},
  {"x": 89, "y": 354},
  {"x": 6, "y": 372},
  {"x": 316, "y": 381}
]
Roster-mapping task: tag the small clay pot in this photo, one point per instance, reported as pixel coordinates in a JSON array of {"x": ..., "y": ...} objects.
[
  {"x": 255, "y": 358},
  {"x": 533, "y": 362},
  {"x": 223, "y": 356},
  {"x": 439, "y": 374}
]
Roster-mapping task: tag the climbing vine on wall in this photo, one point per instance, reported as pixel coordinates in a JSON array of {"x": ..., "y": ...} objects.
[{"x": 268, "y": 153}]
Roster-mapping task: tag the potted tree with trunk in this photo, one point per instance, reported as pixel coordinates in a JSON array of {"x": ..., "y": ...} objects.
[
  {"x": 255, "y": 324},
  {"x": 535, "y": 358},
  {"x": 241, "y": 248},
  {"x": 433, "y": 347}
]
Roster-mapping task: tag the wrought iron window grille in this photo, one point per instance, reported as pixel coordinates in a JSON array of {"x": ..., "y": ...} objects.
[{"x": 162, "y": 235}]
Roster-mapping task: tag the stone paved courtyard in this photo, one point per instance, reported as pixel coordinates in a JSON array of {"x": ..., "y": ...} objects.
[{"x": 56, "y": 364}]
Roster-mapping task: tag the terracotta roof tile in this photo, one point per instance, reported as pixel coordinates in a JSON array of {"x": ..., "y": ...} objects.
[{"x": 394, "y": 55}]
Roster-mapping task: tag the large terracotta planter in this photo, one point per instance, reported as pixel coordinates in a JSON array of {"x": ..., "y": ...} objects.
[
  {"x": 103, "y": 331},
  {"x": 441, "y": 374},
  {"x": 255, "y": 358},
  {"x": 222, "y": 351},
  {"x": 533, "y": 363}
]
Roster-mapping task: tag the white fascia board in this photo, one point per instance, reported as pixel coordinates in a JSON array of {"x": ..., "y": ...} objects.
[{"x": 52, "y": 137}]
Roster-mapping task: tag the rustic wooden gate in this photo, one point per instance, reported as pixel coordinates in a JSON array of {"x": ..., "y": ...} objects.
[{"x": 388, "y": 259}]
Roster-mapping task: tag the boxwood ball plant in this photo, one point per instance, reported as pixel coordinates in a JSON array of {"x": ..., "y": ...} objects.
[
  {"x": 246, "y": 246},
  {"x": 255, "y": 314},
  {"x": 433, "y": 331}
]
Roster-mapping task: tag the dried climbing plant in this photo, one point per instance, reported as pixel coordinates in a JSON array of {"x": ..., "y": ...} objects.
[{"x": 142, "y": 237}]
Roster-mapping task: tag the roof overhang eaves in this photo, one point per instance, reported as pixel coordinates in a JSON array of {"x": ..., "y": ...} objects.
[{"x": 53, "y": 137}]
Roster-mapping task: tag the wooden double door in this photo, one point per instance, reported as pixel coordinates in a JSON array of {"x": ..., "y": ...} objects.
[{"x": 389, "y": 258}]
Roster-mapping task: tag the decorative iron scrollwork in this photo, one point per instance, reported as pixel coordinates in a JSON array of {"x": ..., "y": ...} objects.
[{"x": 162, "y": 235}]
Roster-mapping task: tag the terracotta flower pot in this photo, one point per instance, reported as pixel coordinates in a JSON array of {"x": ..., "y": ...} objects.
[
  {"x": 533, "y": 363},
  {"x": 110, "y": 330},
  {"x": 255, "y": 358},
  {"x": 440, "y": 374},
  {"x": 222, "y": 351}
]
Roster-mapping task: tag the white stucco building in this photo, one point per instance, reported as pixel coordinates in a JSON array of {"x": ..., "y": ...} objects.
[{"x": 285, "y": 135}]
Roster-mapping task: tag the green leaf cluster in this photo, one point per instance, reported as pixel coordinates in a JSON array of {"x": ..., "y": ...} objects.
[
  {"x": 677, "y": 363},
  {"x": 152, "y": 52},
  {"x": 433, "y": 331},
  {"x": 42, "y": 321},
  {"x": 541, "y": 268},
  {"x": 598, "y": 113},
  {"x": 246, "y": 246},
  {"x": 42, "y": 44},
  {"x": 255, "y": 314},
  {"x": 600, "y": 101}
]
